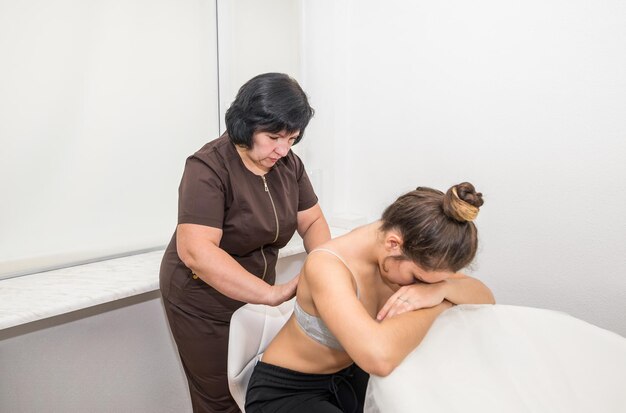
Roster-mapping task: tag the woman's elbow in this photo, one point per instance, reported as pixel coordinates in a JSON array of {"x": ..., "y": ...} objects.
[
  {"x": 380, "y": 368},
  {"x": 377, "y": 365},
  {"x": 383, "y": 370},
  {"x": 484, "y": 295},
  {"x": 489, "y": 297}
]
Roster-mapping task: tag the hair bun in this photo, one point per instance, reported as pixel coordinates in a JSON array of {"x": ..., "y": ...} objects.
[{"x": 462, "y": 202}]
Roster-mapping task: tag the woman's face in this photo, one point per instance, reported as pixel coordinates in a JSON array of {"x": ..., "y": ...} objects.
[
  {"x": 406, "y": 272},
  {"x": 268, "y": 147}
]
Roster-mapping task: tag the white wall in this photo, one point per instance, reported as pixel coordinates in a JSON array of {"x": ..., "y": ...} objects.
[
  {"x": 256, "y": 37},
  {"x": 526, "y": 100},
  {"x": 117, "y": 357},
  {"x": 327, "y": 79},
  {"x": 100, "y": 103}
]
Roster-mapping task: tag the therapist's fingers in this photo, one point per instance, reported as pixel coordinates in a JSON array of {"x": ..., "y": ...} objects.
[
  {"x": 282, "y": 292},
  {"x": 291, "y": 287}
]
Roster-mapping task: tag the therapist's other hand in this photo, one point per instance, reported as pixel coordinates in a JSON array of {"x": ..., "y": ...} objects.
[
  {"x": 283, "y": 292},
  {"x": 413, "y": 297}
]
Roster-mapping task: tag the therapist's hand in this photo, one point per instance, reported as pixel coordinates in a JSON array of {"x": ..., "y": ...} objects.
[
  {"x": 282, "y": 292},
  {"x": 413, "y": 297}
]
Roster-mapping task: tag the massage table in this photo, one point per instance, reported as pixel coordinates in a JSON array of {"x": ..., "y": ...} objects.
[{"x": 475, "y": 358}]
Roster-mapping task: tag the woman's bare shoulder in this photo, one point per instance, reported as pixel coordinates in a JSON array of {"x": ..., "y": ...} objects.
[{"x": 323, "y": 269}]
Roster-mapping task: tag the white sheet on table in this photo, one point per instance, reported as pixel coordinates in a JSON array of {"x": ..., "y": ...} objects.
[{"x": 508, "y": 359}]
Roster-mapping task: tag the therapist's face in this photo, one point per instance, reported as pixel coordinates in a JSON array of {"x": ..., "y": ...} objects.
[{"x": 268, "y": 147}]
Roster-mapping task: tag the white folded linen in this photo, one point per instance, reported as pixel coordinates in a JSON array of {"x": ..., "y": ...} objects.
[{"x": 500, "y": 358}]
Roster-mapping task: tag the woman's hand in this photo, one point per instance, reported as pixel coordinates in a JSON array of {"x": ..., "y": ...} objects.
[
  {"x": 283, "y": 292},
  {"x": 413, "y": 297}
]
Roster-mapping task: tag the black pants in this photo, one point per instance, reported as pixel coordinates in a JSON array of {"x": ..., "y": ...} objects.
[{"x": 274, "y": 389}]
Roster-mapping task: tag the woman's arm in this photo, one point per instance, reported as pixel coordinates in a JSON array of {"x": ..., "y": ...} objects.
[
  {"x": 463, "y": 289},
  {"x": 198, "y": 248},
  {"x": 377, "y": 347},
  {"x": 458, "y": 289},
  {"x": 404, "y": 333},
  {"x": 312, "y": 227}
]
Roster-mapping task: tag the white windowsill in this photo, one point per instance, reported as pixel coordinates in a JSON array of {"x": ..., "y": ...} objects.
[{"x": 37, "y": 296}]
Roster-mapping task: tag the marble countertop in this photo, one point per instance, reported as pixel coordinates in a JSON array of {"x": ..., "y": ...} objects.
[{"x": 37, "y": 296}]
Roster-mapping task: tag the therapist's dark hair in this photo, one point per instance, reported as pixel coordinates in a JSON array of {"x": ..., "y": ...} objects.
[
  {"x": 437, "y": 229},
  {"x": 271, "y": 102}
]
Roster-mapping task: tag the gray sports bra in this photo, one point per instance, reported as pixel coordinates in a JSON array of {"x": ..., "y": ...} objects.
[{"x": 315, "y": 327}]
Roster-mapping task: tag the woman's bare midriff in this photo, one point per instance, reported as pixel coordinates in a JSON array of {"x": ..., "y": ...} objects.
[{"x": 294, "y": 350}]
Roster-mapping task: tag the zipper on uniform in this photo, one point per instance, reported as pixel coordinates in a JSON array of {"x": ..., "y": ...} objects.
[
  {"x": 273, "y": 208},
  {"x": 277, "y": 224}
]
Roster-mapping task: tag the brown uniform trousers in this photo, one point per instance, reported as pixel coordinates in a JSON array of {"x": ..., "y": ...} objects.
[{"x": 202, "y": 344}]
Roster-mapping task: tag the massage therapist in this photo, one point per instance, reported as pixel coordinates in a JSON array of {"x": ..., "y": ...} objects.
[{"x": 241, "y": 198}]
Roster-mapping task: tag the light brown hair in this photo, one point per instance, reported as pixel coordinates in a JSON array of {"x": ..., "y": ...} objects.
[{"x": 437, "y": 229}]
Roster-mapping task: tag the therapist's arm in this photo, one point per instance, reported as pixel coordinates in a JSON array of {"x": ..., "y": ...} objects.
[
  {"x": 312, "y": 227},
  {"x": 198, "y": 248}
]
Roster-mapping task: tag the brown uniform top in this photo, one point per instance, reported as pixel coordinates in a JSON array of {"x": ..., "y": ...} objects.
[{"x": 257, "y": 214}]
